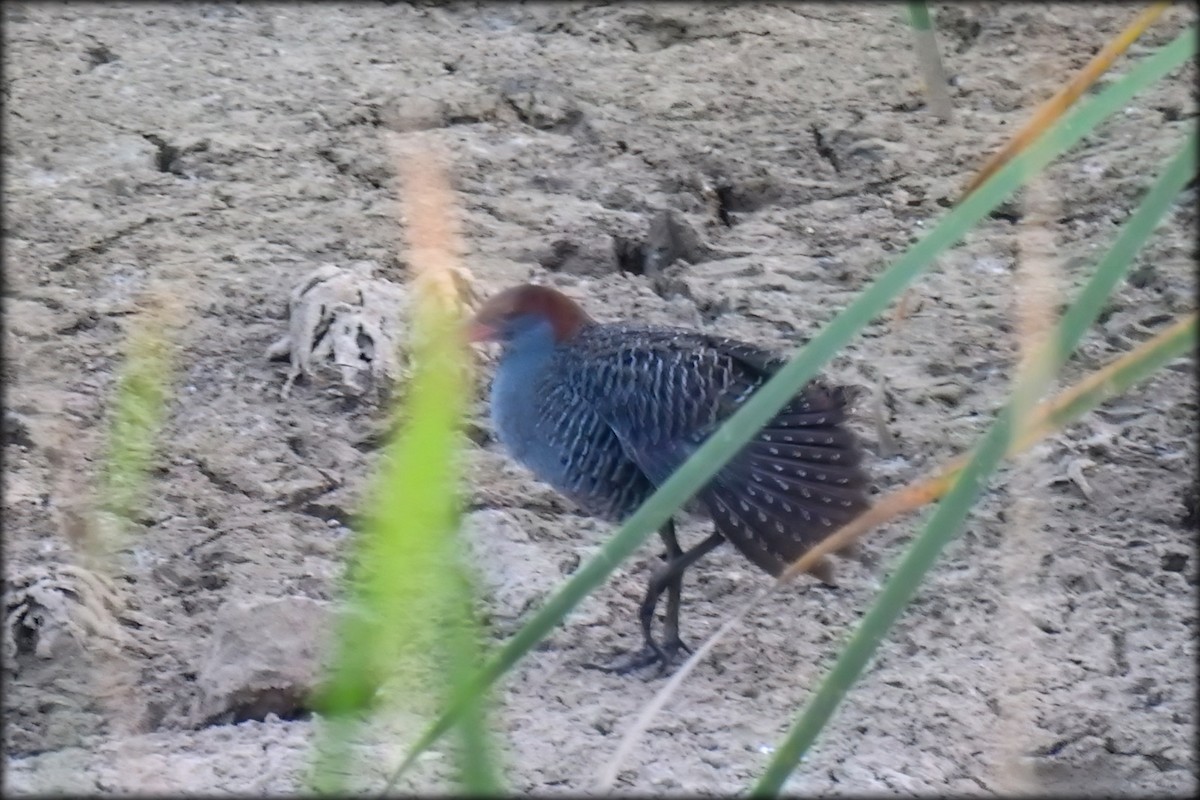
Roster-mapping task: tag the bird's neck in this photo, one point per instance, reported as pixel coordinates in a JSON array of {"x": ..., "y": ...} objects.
[{"x": 521, "y": 364}]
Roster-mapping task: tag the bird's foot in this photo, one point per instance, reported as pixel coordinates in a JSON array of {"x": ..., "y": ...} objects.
[{"x": 665, "y": 655}]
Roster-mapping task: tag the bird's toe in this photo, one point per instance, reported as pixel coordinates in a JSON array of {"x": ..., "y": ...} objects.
[{"x": 665, "y": 656}]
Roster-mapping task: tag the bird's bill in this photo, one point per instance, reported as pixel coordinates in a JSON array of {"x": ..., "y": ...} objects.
[{"x": 479, "y": 332}]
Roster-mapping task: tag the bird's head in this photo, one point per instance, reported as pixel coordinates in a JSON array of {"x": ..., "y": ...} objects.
[{"x": 527, "y": 310}]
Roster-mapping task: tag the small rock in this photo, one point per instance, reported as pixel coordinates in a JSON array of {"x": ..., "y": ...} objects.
[
  {"x": 541, "y": 105},
  {"x": 671, "y": 239},
  {"x": 264, "y": 657}
]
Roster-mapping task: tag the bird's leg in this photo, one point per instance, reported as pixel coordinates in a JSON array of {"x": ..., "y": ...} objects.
[
  {"x": 672, "y": 581},
  {"x": 671, "y": 641},
  {"x": 668, "y": 577}
]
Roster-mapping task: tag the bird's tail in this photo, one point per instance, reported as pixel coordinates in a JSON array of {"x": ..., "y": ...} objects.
[{"x": 793, "y": 485}]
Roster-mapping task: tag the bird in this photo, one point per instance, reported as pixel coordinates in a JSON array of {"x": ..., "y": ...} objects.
[{"x": 605, "y": 412}]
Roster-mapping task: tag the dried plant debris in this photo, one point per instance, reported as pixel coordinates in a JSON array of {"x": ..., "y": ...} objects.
[
  {"x": 46, "y": 603},
  {"x": 352, "y": 325},
  {"x": 345, "y": 320}
]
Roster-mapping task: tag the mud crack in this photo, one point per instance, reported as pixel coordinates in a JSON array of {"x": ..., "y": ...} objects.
[
  {"x": 824, "y": 150},
  {"x": 98, "y": 247}
]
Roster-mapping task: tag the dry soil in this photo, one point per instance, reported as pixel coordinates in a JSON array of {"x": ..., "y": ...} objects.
[{"x": 224, "y": 152}]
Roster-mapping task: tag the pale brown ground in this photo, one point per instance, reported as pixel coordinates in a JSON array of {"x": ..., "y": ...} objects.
[{"x": 229, "y": 150}]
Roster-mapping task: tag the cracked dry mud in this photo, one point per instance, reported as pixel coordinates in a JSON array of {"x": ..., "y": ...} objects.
[{"x": 228, "y": 151}]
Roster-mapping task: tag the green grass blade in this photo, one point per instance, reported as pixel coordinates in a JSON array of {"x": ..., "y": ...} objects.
[
  {"x": 1071, "y": 91},
  {"x": 918, "y": 15},
  {"x": 408, "y": 574},
  {"x": 139, "y": 407},
  {"x": 930, "y": 60},
  {"x": 1130, "y": 370},
  {"x": 944, "y": 522},
  {"x": 943, "y": 525},
  {"x": 477, "y": 769},
  {"x": 725, "y": 443},
  {"x": 1112, "y": 268}
]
